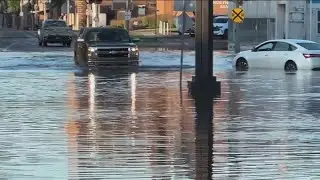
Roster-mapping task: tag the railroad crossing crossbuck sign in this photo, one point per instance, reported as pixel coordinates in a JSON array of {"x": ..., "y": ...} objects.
[{"x": 237, "y": 15}]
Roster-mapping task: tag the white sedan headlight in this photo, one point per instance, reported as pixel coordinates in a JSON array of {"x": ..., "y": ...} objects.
[
  {"x": 92, "y": 49},
  {"x": 134, "y": 49}
]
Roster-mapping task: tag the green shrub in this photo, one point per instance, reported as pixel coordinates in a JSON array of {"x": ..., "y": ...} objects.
[
  {"x": 117, "y": 23},
  {"x": 152, "y": 21}
]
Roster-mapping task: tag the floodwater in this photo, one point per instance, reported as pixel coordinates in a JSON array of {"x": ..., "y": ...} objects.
[{"x": 61, "y": 123}]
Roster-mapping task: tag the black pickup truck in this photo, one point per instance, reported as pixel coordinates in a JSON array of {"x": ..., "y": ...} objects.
[{"x": 104, "y": 46}]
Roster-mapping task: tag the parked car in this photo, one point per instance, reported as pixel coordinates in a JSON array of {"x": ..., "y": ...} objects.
[
  {"x": 55, "y": 31},
  {"x": 286, "y": 54},
  {"x": 220, "y": 26},
  {"x": 192, "y": 32},
  {"x": 104, "y": 46},
  {"x": 187, "y": 30}
]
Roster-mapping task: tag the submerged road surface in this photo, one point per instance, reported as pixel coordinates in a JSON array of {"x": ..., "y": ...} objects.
[{"x": 58, "y": 122}]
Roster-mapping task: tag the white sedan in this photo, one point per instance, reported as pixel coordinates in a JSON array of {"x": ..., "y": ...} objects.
[{"x": 286, "y": 54}]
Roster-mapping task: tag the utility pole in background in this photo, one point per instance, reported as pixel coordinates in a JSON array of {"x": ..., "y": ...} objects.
[
  {"x": 21, "y": 15},
  {"x": 68, "y": 11},
  {"x": 127, "y": 12},
  {"x": 236, "y": 30},
  {"x": 89, "y": 14},
  {"x": 45, "y": 16}
]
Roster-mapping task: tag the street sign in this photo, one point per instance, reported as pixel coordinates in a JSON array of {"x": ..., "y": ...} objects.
[
  {"x": 141, "y": 11},
  {"x": 127, "y": 15},
  {"x": 237, "y": 15},
  {"x": 188, "y": 22}
]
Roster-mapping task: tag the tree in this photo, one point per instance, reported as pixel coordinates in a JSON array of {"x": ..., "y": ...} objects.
[{"x": 13, "y": 6}]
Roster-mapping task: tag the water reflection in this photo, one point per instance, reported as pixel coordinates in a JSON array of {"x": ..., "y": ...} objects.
[
  {"x": 132, "y": 125},
  {"x": 262, "y": 126},
  {"x": 142, "y": 143}
]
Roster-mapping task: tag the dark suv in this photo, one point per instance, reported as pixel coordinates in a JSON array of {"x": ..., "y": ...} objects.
[{"x": 103, "y": 46}]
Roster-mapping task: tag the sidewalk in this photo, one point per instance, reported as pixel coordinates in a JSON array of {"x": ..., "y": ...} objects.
[{"x": 14, "y": 33}]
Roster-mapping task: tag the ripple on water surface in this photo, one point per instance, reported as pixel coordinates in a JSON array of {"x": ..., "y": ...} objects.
[{"x": 62, "y": 125}]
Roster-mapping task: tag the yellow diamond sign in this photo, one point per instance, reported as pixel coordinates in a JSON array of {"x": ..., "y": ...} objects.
[{"x": 237, "y": 15}]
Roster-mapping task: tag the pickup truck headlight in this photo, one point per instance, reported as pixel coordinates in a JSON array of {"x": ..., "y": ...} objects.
[
  {"x": 134, "y": 49},
  {"x": 92, "y": 49}
]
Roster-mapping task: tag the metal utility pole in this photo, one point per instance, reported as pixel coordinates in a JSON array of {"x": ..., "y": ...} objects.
[
  {"x": 68, "y": 11},
  {"x": 236, "y": 32},
  {"x": 89, "y": 14},
  {"x": 204, "y": 81},
  {"x": 310, "y": 18},
  {"x": 182, "y": 40},
  {"x": 127, "y": 22},
  {"x": 21, "y": 15},
  {"x": 45, "y": 16}
]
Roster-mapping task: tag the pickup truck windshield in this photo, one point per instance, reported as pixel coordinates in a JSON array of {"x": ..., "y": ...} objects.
[
  {"x": 55, "y": 24},
  {"x": 108, "y": 35}
]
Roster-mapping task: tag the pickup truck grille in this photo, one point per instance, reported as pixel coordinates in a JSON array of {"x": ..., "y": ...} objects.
[{"x": 113, "y": 52}]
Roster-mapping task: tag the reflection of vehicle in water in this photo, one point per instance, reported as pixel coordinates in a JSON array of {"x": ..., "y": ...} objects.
[
  {"x": 119, "y": 121},
  {"x": 55, "y": 31},
  {"x": 286, "y": 54},
  {"x": 103, "y": 46}
]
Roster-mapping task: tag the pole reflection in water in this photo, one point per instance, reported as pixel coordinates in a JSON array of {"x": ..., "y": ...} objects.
[
  {"x": 133, "y": 94},
  {"x": 133, "y": 86},
  {"x": 204, "y": 135},
  {"x": 92, "y": 120}
]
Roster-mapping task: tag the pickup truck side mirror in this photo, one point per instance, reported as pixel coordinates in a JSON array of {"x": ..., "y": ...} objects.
[{"x": 253, "y": 49}]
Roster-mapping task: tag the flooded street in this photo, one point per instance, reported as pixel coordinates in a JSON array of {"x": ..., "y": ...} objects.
[{"x": 61, "y": 123}]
